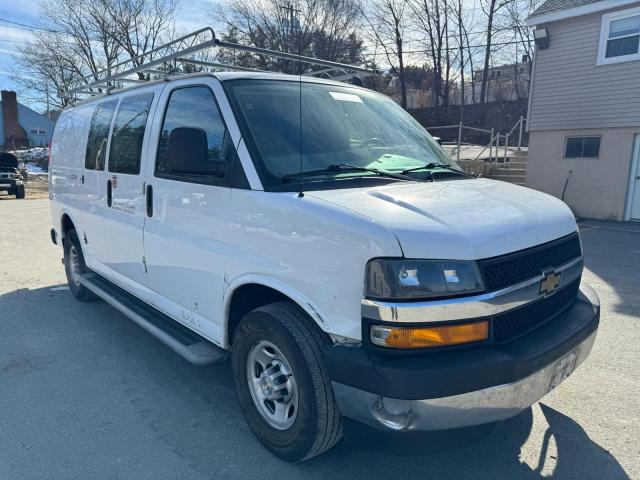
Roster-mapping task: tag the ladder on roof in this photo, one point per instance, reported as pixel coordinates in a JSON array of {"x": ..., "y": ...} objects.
[{"x": 184, "y": 51}]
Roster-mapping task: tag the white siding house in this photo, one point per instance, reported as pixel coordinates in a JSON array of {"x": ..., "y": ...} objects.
[{"x": 584, "y": 106}]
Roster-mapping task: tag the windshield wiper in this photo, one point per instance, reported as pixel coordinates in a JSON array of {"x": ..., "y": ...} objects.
[
  {"x": 432, "y": 165},
  {"x": 345, "y": 168}
]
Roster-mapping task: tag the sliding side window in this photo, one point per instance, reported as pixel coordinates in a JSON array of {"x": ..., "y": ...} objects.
[
  {"x": 99, "y": 135},
  {"x": 128, "y": 134}
]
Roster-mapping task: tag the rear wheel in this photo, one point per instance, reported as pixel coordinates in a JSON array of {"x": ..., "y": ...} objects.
[
  {"x": 281, "y": 382},
  {"x": 20, "y": 192},
  {"x": 74, "y": 267}
]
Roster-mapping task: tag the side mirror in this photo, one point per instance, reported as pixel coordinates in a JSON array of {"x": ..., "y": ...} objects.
[{"x": 188, "y": 153}]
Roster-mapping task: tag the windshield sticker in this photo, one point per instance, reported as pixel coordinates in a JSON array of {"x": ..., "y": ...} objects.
[{"x": 345, "y": 97}]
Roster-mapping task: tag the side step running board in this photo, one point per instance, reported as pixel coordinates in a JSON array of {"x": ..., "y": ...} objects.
[{"x": 176, "y": 336}]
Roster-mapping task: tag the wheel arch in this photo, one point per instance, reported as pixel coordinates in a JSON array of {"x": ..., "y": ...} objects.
[
  {"x": 253, "y": 291},
  {"x": 66, "y": 224}
]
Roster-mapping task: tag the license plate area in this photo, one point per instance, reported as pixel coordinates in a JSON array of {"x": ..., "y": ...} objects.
[{"x": 562, "y": 369}]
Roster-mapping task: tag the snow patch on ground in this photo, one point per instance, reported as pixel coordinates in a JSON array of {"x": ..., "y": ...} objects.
[{"x": 34, "y": 169}]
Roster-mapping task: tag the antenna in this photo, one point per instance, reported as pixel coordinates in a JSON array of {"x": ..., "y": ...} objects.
[{"x": 292, "y": 24}]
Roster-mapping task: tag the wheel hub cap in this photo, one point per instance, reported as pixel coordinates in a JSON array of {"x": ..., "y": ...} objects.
[
  {"x": 272, "y": 385},
  {"x": 74, "y": 265}
]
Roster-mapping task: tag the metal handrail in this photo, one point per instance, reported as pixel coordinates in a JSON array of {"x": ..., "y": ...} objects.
[
  {"x": 494, "y": 139},
  {"x": 488, "y": 145},
  {"x": 457, "y": 125}
]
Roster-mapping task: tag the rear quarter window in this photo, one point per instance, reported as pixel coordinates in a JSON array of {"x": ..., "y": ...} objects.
[{"x": 70, "y": 137}]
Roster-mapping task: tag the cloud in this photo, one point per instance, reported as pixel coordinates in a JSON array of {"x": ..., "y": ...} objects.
[{"x": 9, "y": 34}]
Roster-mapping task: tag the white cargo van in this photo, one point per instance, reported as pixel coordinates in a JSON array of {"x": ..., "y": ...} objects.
[{"x": 316, "y": 234}]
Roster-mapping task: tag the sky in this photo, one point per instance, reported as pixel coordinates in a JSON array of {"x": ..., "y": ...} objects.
[{"x": 192, "y": 15}]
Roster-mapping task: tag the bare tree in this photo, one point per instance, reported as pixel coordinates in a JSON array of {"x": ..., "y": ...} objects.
[
  {"x": 491, "y": 9},
  {"x": 387, "y": 21},
  {"x": 432, "y": 18},
  {"x": 78, "y": 39},
  {"x": 517, "y": 13},
  {"x": 139, "y": 24},
  {"x": 322, "y": 28},
  {"x": 46, "y": 67},
  {"x": 462, "y": 37}
]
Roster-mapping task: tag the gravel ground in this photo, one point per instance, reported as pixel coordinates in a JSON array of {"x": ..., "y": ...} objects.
[{"x": 85, "y": 393}]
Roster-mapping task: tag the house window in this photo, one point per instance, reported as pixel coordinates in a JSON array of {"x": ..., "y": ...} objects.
[
  {"x": 582, "y": 147},
  {"x": 620, "y": 37}
]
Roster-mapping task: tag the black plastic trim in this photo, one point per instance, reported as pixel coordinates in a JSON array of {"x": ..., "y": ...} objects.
[{"x": 455, "y": 371}]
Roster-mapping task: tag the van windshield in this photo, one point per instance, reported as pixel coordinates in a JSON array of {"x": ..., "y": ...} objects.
[{"x": 340, "y": 126}]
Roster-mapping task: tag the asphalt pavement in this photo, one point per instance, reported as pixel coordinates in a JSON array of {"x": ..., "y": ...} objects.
[{"x": 87, "y": 394}]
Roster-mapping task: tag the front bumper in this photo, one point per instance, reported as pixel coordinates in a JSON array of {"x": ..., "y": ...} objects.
[
  {"x": 7, "y": 184},
  {"x": 456, "y": 389}
]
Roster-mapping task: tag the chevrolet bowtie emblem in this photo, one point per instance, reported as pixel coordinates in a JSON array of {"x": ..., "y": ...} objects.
[{"x": 549, "y": 283}]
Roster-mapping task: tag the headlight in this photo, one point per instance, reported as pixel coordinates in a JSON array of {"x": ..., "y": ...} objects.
[{"x": 401, "y": 279}]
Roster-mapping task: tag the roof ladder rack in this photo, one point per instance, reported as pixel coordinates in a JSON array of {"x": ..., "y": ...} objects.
[{"x": 180, "y": 52}]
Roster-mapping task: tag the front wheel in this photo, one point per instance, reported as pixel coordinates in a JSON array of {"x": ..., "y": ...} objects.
[
  {"x": 20, "y": 192},
  {"x": 282, "y": 385}
]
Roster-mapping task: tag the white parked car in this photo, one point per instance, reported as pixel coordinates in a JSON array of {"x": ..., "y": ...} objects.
[{"x": 343, "y": 263}]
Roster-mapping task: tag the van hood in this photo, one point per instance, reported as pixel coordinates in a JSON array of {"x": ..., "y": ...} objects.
[{"x": 459, "y": 219}]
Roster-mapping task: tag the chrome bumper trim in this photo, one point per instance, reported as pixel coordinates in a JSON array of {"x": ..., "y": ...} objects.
[
  {"x": 486, "y": 304},
  {"x": 468, "y": 409}
]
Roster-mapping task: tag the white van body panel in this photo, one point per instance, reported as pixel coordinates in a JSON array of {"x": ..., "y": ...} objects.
[
  {"x": 203, "y": 242},
  {"x": 187, "y": 241},
  {"x": 308, "y": 249},
  {"x": 95, "y": 191},
  {"x": 124, "y": 221},
  {"x": 68, "y": 147}
]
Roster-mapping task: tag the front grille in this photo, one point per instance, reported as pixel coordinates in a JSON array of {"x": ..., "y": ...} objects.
[
  {"x": 506, "y": 270},
  {"x": 510, "y": 325}
]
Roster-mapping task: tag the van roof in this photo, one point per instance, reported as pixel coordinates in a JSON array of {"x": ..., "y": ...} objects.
[{"x": 221, "y": 76}]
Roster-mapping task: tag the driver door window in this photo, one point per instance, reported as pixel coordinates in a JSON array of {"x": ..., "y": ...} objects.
[{"x": 195, "y": 107}]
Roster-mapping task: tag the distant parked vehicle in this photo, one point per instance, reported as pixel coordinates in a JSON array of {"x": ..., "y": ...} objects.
[
  {"x": 344, "y": 262},
  {"x": 10, "y": 176}
]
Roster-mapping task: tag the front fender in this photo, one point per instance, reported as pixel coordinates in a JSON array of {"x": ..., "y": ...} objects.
[{"x": 312, "y": 309}]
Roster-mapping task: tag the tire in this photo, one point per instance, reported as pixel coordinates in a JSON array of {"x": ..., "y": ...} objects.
[
  {"x": 20, "y": 192},
  {"x": 74, "y": 265},
  {"x": 316, "y": 423}
]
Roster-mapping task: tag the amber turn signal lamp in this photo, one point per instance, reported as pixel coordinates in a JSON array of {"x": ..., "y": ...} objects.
[{"x": 429, "y": 337}]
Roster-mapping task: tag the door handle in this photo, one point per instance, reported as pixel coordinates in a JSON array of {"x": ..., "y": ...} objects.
[
  {"x": 82, "y": 179},
  {"x": 109, "y": 193},
  {"x": 149, "y": 196}
]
